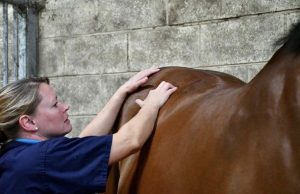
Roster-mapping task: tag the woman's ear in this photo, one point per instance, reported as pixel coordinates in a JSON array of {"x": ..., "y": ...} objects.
[{"x": 27, "y": 124}]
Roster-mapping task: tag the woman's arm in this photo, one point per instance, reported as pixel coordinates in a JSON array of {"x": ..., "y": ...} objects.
[
  {"x": 133, "y": 134},
  {"x": 103, "y": 122}
]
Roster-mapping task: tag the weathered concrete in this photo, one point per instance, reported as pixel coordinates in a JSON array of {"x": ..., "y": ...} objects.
[
  {"x": 78, "y": 124},
  {"x": 84, "y": 55},
  {"x": 79, "y": 18},
  {"x": 205, "y": 10},
  {"x": 96, "y": 54},
  {"x": 249, "y": 39},
  {"x": 85, "y": 17},
  {"x": 164, "y": 47},
  {"x": 291, "y": 18},
  {"x": 52, "y": 57}
]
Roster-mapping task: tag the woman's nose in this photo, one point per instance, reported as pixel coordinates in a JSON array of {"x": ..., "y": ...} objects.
[{"x": 65, "y": 107}]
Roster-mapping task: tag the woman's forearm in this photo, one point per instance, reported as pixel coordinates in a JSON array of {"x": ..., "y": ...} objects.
[
  {"x": 132, "y": 136},
  {"x": 141, "y": 126}
]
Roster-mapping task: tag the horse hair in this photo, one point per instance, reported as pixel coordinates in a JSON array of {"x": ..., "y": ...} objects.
[{"x": 291, "y": 40}]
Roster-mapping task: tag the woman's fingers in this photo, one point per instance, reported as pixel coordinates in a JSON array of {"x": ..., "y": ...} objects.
[
  {"x": 142, "y": 81},
  {"x": 171, "y": 90},
  {"x": 146, "y": 73},
  {"x": 139, "y": 102},
  {"x": 166, "y": 86},
  {"x": 161, "y": 94},
  {"x": 138, "y": 79}
]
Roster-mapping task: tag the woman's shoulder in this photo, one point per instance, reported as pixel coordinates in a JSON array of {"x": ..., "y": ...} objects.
[{"x": 17, "y": 155}]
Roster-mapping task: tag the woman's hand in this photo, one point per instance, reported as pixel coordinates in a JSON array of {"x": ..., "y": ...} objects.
[
  {"x": 137, "y": 80},
  {"x": 158, "y": 96},
  {"x": 132, "y": 135}
]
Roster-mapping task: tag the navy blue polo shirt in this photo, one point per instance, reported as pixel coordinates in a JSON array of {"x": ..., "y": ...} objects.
[{"x": 59, "y": 165}]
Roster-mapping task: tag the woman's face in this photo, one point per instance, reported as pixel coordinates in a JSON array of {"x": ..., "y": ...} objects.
[{"x": 51, "y": 116}]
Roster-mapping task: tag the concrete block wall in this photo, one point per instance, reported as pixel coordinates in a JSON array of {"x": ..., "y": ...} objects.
[{"x": 88, "y": 48}]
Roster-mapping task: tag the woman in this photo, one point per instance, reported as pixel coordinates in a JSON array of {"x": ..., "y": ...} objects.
[{"x": 39, "y": 159}]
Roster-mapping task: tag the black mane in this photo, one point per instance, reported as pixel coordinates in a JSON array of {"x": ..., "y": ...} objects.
[{"x": 291, "y": 40}]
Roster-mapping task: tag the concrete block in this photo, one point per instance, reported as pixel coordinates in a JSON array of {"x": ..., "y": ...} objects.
[
  {"x": 193, "y": 10},
  {"x": 291, "y": 19},
  {"x": 244, "y": 7},
  {"x": 78, "y": 124},
  {"x": 65, "y": 4},
  {"x": 83, "y": 55},
  {"x": 69, "y": 21},
  {"x": 87, "y": 95},
  {"x": 85, "y": 17},
  {"x": 52, "y": 57},
  {"x": 245, "y": 72},
  {"x": 127, "y": 14},
  {"x": 203, "y": 10},
  {"x": 244, "y": 40},
  {"x": 164, "y": 47},
  {"x": 96, "y": 54}
]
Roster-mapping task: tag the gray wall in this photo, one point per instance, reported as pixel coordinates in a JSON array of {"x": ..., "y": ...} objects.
[{"x": 90, "y": 47}]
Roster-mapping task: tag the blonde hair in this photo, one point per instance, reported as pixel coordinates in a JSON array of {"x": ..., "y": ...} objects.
[{"x": 16, "y": 99}]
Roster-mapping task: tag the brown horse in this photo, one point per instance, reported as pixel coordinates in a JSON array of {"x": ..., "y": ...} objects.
[{"x": 219, "y": 135}]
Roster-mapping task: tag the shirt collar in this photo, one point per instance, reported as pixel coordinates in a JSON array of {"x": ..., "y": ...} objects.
[{"x": 26, "y": 140}]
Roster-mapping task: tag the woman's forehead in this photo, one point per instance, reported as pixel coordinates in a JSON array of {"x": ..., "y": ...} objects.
[{"x": 47, "y": 92}]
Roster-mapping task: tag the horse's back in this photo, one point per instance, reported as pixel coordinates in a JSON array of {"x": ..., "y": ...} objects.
[
  {"x": 191, "y": 83},
  {"x": 199, "y": 79},
  {"x": 183, "y": 140}
]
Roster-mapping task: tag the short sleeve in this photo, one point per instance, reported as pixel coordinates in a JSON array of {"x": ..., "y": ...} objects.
[{"x": 77, "y": 165}]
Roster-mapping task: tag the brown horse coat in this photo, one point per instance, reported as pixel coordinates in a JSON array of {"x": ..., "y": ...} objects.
[{"x": 219, "y": 135}]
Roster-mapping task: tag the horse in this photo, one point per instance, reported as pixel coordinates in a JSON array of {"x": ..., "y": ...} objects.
[{"x": 220, "y": 135}]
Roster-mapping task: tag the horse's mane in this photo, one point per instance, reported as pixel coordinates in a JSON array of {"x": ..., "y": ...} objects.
[{"x": 291, "y": 40}]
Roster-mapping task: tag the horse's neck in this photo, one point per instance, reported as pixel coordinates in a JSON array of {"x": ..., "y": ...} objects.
[
  {"x": 273, "y": 76},
  {"x": 277, "y": 84},
  {"x": 278, "y": 65}
]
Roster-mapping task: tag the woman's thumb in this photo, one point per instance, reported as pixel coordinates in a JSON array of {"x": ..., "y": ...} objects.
[{"x": 139, "y": 102}]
